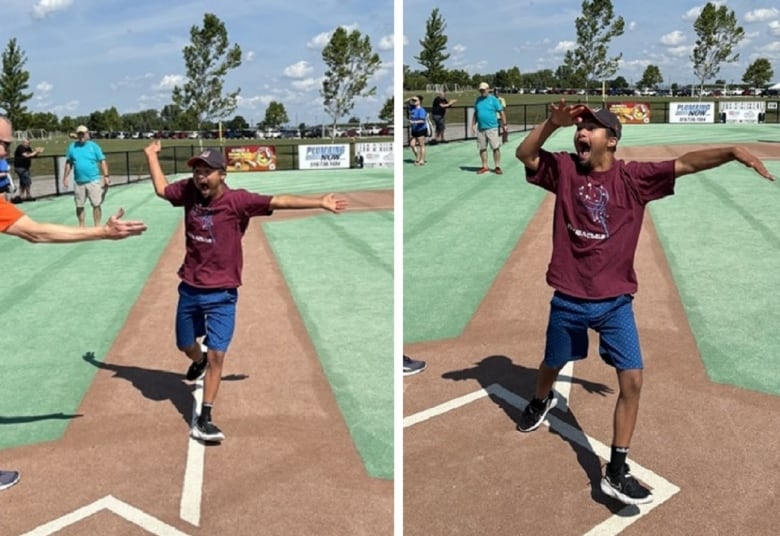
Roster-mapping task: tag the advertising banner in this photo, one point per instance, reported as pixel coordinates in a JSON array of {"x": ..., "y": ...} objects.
[
  {"x": 691, "y": 112},
  {"x": 251, "y": 158},
  {"x": 634, "y": 113},
  {"x": 323, "y": 156},
  {"x": 375, "y": 155},
  {"x": 742, "y": 112}
]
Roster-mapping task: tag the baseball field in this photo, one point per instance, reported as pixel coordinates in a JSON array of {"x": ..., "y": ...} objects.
[
  {"x": 476, "y": 249},
  {"x": 95, "y": 411}
]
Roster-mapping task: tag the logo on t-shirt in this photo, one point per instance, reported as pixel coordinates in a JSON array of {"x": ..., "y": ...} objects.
[
  {"x": 204, "y": 226},
  {"x": 595, "y": 200}
]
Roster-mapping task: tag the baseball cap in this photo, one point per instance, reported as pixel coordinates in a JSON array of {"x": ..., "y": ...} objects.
[
  {"x": 81, "y": 128},
  {"x": 484, "y": 85},
  {"x": 606, "y": 119},
  {"x": 213, "y": 158}
]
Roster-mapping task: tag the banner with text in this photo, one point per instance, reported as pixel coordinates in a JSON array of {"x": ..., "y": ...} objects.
[
  {"x": 635, "y": 113},
  {"x": 251, "y": 158},
  {"x": 691, "y": 112},
  {"x": 375, "y": 155},
  {"x": 323, "y": 156},
  {"x": 742, "y": 112}
]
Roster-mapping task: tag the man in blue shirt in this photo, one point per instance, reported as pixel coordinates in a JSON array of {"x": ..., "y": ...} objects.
[
  {"x": 90, "y": 174},
  {"x": 484, "y": 123}
]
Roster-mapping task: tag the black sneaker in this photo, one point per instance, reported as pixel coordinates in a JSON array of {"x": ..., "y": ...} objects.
[
  {"x": 8, "y": 479},
  {"x": 625, "y": 488},
  {"x": 196, "y": 370},
  {"x": 207, "y": 431},
  {"x": 535, "y": 412},
  {"x": 413, "y": 366}
]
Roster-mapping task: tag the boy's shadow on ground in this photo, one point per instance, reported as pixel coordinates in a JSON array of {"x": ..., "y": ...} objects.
[
  {"x": 499, "y": 369},
  {"x": 472, "y": 169},
  {"x": 158, "y": 385}
]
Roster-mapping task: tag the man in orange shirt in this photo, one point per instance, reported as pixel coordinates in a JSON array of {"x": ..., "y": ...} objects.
[{"x": 14, "y": 222}]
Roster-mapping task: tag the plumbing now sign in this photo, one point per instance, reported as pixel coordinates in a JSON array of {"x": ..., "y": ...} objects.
[
  {"x": 323, "y": 156},
  {"x": 692, "y": 112}
]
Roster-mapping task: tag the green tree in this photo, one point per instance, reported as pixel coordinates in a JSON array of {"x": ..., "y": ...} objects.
[
  {"x": 651, "y": 77},
  {"x": 237, "y": 123},
  {"x": 208, "y": 58},
  {"x": 619, "y": 83},
  {"x": 595, "y": 30},
  {"x": 387, "y": 113},
  {"x": 514, "y": 78},
  {"x": 432, "y": 55},
  {"x": 758, "y": 73},
  {"x": 275, "y": 115},
  {"x": 13, "y": 83},
  {"x": 350, "y": 64},
  {"x": 458, "y": 77},
  {"x": 718, "y": 34}
]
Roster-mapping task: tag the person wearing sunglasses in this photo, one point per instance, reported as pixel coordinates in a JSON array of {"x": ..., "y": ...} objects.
[
  {"x": 418, "y": 126},
  {"x": 14, "y": 222}
]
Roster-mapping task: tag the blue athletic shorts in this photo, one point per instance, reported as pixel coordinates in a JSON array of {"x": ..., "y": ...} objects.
[
  {"x": 209, "y": 312},
  {"x": 612, "y": 319}
]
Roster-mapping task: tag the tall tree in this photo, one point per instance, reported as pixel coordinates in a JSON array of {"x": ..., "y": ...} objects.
[
  {"x": 208, "y": 58},
  {"x": 432, "y": 56},
  {"x": 595, "y": 30},
  {"x": 651, "y": 77},
  {"x": 13, "y": 83},
  {"x": 275, "y": 115},
  {"x": 387, "y": 112},
  {"x": 758, "y": 73},
  {"x": 350, "y": 64},
  {"x": 718, "y": 34}
]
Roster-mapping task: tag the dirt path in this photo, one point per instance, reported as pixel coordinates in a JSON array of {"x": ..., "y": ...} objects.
[
  {"x": 468, "y": 471},
  {"x": 288, "y": 465}
]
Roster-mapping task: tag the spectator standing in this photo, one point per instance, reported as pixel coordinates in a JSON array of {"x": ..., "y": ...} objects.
[
  {"x": 417, "y": 129},
  {"x": 14, "y": 222},
  {"x": 22, "y": 163},
  {"x": 90, "y": 174},
  {"x": 6, "y": 184},
  {"x": 439, "y": 108},
  {"x": 488, "y": 114}
]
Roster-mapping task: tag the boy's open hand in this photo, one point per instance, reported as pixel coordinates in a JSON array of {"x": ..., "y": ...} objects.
[{"x": 333, "y": 204}]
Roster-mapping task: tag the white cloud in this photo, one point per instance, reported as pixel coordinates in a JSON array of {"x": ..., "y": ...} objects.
[
  {"x": 772, "y": 48},
  {"x": 564, "y": 46},
  {"x": 632, "y": 26},
  {"x": 43, "y": 87},
  {"x": 386, "y": 42},
  {"x": 320, "y": 40},
  {"x": 169, "y": 81},
  {"x": 250, "y": 56},
  {"x": 254, "y": 102},
  {"x": 673, "y": 38},
  {"x": 680, "y": 51},
  {"x": 307, "y": 84},
  {"x": 43, "y": 7},
  {"x": 298, "y": 70},
  {"x": 774, "y": 27},
  {"x": 406, "y": 40},
  {"x": 762, "y": 15}
]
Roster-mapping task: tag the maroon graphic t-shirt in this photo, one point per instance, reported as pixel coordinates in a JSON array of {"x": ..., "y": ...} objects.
[
  {"x": 597, "y": 219},
  {"x": 214, "y": 229}
]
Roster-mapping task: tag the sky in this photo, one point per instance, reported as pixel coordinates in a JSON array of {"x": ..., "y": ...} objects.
[
  {"x": 535, "y": 34},
  {"x": 90, "y": 55}
]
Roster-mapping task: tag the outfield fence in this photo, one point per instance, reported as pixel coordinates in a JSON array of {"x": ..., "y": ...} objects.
[{"x": 523, "y": 117}]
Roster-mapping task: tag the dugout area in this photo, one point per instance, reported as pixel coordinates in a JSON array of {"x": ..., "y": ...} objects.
[
  {"x": 710, "y": 405},
  {"x": 96, "y": 411}
]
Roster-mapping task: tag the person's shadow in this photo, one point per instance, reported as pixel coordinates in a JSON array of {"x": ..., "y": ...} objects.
[
  {"x": 521, "y": 381},
  {"x": 159, "y": 385},
  {"x": 21, "y": 419}
]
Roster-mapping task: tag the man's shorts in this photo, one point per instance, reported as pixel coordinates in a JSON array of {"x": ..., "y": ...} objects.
[
  {"x": 209, "y": 312},
  {"x": 24, "y": 177},
  {"x": 488, "y": 136},
  {"x": 93, "y": 190},
  {"x": 612, "y": 319},
  {"x": 438, "y": 121}
]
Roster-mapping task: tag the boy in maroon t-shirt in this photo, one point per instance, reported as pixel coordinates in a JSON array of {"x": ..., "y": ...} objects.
[
  {"x": 599, "y": 206},
  {"x": 215, "y": 219}
]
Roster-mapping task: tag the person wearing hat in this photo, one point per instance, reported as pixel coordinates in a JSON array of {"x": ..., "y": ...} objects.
[
  {"x": 90, "y": 175},
  {"x": 485, "y": 121},
  {"x": 600, "y": 203},
  {"x": 14, "y": 222},
  {"x": 215, "y": 219}
]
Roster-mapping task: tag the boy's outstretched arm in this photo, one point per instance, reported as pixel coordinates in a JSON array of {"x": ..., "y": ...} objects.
[
  {"x": 327, "y": 202},
  {"x": 694, "y": 161},
  {"x": 562, "y": 115},
  {"x": 155, "y": 170}
]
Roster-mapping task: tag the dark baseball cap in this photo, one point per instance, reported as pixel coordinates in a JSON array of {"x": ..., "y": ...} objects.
[
  {"x": 606, "y": 119},
  {"x": 213, "y": 158}
]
